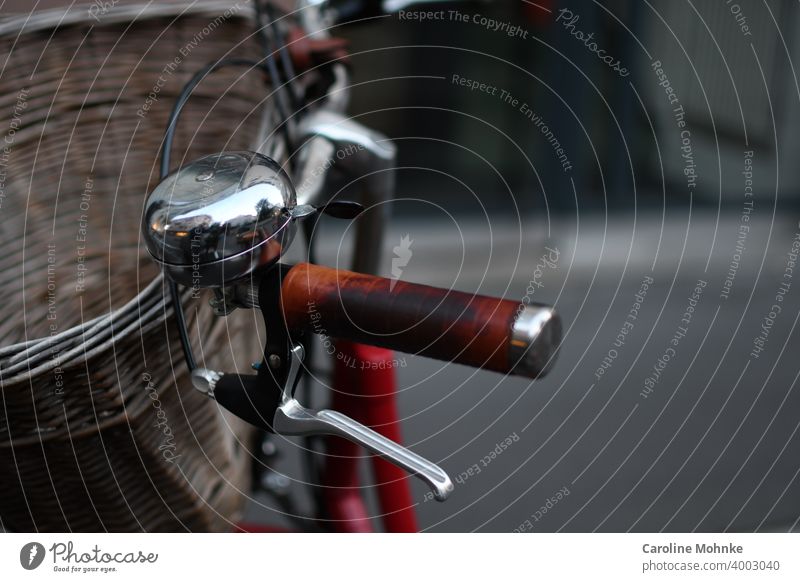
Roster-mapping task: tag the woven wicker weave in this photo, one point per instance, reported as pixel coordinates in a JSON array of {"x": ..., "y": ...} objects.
[{"x": 100, "y": 428}]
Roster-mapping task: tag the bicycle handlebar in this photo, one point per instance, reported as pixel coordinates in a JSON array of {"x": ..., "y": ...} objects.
[{"x": 475, "y": 330}]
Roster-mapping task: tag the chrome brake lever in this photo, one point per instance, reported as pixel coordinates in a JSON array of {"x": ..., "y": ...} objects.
[{"x": 293, "y": 419}]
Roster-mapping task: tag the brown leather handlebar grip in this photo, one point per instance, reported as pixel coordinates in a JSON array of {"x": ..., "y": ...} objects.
[{"x": 484, "y": 332}]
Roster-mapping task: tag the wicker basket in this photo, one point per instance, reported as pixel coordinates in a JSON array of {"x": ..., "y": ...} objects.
[{"x": 100, "y": 428}]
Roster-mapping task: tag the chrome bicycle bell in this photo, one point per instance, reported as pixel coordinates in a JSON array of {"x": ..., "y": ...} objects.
[
  {"x": 223, "y": 216},
  {"x": 220, "y": 218}
]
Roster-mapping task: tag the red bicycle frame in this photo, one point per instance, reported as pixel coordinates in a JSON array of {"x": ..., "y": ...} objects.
[{"x": 365, "y": 385}]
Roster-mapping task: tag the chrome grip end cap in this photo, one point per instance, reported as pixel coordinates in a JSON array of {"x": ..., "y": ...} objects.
[{"x": 535, "y": 338}]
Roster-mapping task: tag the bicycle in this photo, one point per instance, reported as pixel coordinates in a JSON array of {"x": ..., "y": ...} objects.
[
  {"x": 96, "y": 412},
  {"x": 224, "y": 222}
]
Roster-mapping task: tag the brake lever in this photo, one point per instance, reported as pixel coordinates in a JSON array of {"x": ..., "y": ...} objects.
[{"x": 293, "y": 419}]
